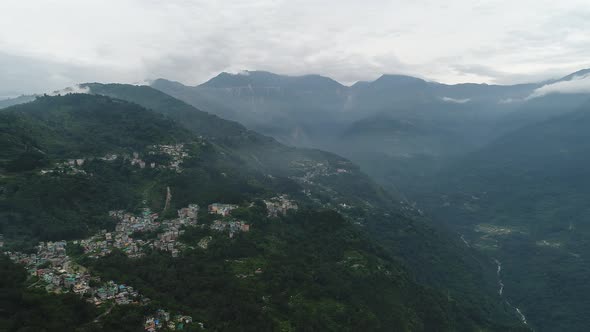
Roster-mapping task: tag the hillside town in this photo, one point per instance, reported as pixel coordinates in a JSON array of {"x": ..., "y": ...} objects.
[
  {"x": 129, "y": 224},
  {"x": 170, "y": 156},
  {"x": 56, "y": 272},
  {"x": 52, "y": 269}
]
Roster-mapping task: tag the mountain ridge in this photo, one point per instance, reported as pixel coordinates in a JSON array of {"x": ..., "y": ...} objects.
[
  {"x": 265, "y": 79},
  {"x": 219, "y": 169}
]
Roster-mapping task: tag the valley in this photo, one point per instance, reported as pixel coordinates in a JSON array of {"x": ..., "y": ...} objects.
[{"x": 504, "y": 166}]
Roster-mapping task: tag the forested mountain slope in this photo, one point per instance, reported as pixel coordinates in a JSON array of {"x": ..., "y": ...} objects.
[
  {"x": 398, "y": 129},
  {"x": 522, "y": 199},
  {"x": 69, "y": 160}
]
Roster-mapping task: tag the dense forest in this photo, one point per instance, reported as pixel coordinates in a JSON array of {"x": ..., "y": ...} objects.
[{"x": 522, "y": 199}]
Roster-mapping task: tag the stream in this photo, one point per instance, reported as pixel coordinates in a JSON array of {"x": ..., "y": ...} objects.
[
  {"x": 501, "y": 286},
  {"x": 498, "y": 271},
  {"x": 501, "y": 292}
]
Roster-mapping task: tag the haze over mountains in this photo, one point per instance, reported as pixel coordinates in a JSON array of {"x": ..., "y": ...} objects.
[
  {"x": 405, "y": 121},
  {"x": 386, "y": 165},
  {"x": 523, "y": 199},
  {"x": 483, "y": 213},
  {"x": 425, "y": 277},
  {"x": 504, "y": 166}
]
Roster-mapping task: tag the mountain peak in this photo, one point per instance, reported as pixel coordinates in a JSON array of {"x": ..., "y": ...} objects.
[
  {"x": 227, "y": 80},
  {"x": 267, "y": 79},
  {"x": 392, "y": 81},
  {"x": 399, "y": 79}
]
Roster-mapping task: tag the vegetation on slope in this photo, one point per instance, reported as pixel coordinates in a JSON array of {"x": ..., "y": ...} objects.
[
  {"x": 319, "y": 250},
  {"x": 523, "y": 200}
]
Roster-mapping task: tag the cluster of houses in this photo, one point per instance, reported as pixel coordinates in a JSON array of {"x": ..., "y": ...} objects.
[
  {"x": 233, "y": 226},
  {"x": 168, "y": 239},
  {"x": 279, "y": 205},
  {"x": 102, "y": 243},
  {"x": 176, "y": 153},
  {"x": 221, "y": 209},
  {"x": 162, "y": 320},
  {"x": 121, "y": 294},
  {"x": 189, "y": 213},
  {"x": 57, "y": 273},
  {"x": 312, "y": 169},
  {"x": 130, "y": 223},
  {"x": 70, "y": 166}
]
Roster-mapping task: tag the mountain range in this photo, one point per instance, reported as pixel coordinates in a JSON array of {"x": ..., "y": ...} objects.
[
  {"x": 397, "y": 127},
  {"x": 352, "y": 256},
  {"x": 503, "y": 166},
  {"x": 473, "y": 194}
]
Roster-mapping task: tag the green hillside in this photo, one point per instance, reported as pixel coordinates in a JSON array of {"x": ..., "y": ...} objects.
[
  {"x": 318, "y": 269},
  {"x": 522, "y": 199}
]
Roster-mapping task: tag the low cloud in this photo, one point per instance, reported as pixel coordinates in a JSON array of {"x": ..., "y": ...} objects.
[
  {"x": 456, "y": 101},
  {"x": 509, "y": 101},
  {"x": 71, "y": 89},
  {"x": 577, "y": 85},
  {"x": 37, "y": 75}
]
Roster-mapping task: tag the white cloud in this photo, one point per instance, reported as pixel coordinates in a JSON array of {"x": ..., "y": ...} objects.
[
  {"x": 71, "y": 89},
  {"x": 578, "y": 84},
  {"x": 456, "y": 101},
  {"x": 192, "y": 40},
  {"x": 509, "y": 100}
]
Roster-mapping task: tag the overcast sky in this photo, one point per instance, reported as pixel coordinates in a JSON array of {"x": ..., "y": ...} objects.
[{"x": 49, "y": 44}]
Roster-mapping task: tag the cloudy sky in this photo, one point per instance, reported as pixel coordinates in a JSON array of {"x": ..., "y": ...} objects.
[{"x": 49, "y": 44}]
